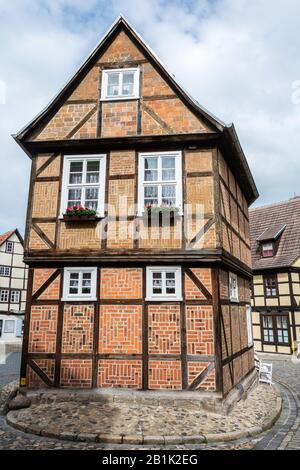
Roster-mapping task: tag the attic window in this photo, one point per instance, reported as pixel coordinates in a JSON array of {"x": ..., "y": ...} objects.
[
  {"x": 267, "y": 250},
  {"x": 120, "y": 84}
]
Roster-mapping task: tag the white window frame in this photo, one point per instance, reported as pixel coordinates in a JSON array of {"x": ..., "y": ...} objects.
[
  {"x": 249, "y": 325},
  {"x": 234, "y": 296},
  {"x": 7, "y": 244},
  {"x": 178, "y": 178},
  {"x": 7, "y": 295},
  {"x": 68, "y": 159},
  {"x": 92, "y": 297},
  {"x": 5, "y": 271},
  {"x": 136, "y": 80},
  {"x": 165, "y": 297},
  {"x": 14, "y": 292}
]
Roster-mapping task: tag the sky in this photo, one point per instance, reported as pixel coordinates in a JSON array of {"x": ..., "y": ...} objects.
[{"x": 240, "y": 59}]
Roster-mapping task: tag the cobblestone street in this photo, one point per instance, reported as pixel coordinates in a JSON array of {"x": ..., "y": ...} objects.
[{"x": 284, "y": 435}]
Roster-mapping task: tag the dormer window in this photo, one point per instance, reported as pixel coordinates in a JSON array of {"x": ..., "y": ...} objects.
[
  {"x": 267, "y": 250},
  {"x": 120, "y": 84}
]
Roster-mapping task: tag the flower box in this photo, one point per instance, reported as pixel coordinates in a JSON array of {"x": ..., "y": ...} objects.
[
  {"x": 80, "y": 214},
  {"x": 80, "y": 218}
]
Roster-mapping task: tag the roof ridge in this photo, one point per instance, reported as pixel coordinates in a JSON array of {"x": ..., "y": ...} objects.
[{"x": 273, "y": 204}]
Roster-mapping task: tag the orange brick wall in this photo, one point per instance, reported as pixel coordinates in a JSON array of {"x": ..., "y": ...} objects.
[
  {"x": 78, "y": 329},
  {"x": 164, "y": 329},
  {"x": 121, "y": 283},
  {"x": 164, "y": 375},
  {"x": 120, "y": 329},
  {"x": 43, "y": 327},
  {"x": 121, "y": 373},
  {"x": 199, "y": 323},
  {"x": 76, "y": 373}
]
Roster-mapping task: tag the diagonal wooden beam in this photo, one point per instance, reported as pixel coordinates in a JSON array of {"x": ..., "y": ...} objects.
[
  {"x": 43, "y": 236},
  {"x": 227, "y": 350},
  {"x": 203, "y": 231},
  {"x": 46, "y": 164},
  {"x": 81, "y": 123},
  {"x": 42, "y": 375},
  {"x": 46, "y": 284},
  {"x": 198, "y": 283},
  {"x": 157, "y": 118},
  {"x": 202, "y": 376}
]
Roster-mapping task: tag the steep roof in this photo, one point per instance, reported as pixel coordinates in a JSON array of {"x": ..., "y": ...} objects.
[
  {"x": 231, "y": 141},
  {"x": 5, "y": 236},
  {"x": 282, "y": 217}
]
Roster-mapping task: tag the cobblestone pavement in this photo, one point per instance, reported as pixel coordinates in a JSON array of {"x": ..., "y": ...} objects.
[
  {"x": 129, "y": 418},
  {"x": 10, "y": 368},
  {"x": 284, "y": 435}
]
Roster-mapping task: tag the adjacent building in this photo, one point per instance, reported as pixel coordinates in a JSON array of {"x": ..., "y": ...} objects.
[
  {"x": 13, "y": 285},
  {"x": 137, "y": 236},
  {"x": 275, "y": 242}
]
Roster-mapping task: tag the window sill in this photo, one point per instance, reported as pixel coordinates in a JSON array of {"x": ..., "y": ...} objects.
[
  {"x": 163, "y": 299},
  {"x": 79, "y": 299},
  {"x": 234, "y": 300},
  {"x": 120, "y": 98}
]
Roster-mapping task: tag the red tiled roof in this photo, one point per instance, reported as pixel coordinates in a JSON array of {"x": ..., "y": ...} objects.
[
  {"x": 271, "y": 233},
  {"x": 5, "y": 236},
  {"x": 272, "y": 217}
]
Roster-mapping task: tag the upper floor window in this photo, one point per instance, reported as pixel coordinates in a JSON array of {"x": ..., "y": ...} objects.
[
  {"x": 120, "y": 84},
  {"x": 9, "y": 247},
  {"x": 4, "y": 295},
  {"x": 164, "y": 283},
  {"x": 84, "y": 182},
  {"x": 15, "y": 296},
  {"x": 5, "y": 271},
  {"x": 80, "y": 284},
  {"x": 267, "y": 250},
  {"x": 270, "y": 286},
  {"x": 233, "y": 287},
  {"x": 160, "y": 180}
]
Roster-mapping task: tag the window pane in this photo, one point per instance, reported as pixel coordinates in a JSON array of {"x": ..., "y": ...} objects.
[
  {"x": 74, "y": 282},
  {"x": 91, "y": 198},
  {"x": 168, "y": 168},
  {"x": 168, "y": 162},
  {"x": 75, "y": 173},
  {"x": 170, "y": 283},
  {"x": 128, "y": 78},
  {"x": 93, "y": 169},
  {"x": 86, "y": 283},
  {"x": 113, "y": 84},
  {"x": 157, "y": 283},
  {"x": 74, "y": 197},
  {"x": 169, "y": 195},
  {"x": 150, "y": 195},
  {"x": 151, "y": 163}
]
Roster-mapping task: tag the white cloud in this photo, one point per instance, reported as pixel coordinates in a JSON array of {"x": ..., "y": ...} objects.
[{"x": 234, "y": 56}]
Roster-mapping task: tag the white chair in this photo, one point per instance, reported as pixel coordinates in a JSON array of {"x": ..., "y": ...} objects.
[
  {"x": 265, "y": 373},
  {"x": 256, "y": 362}
]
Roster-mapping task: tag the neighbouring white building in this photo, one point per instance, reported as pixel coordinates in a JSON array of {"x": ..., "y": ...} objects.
[{"x": 13, "y": 287}]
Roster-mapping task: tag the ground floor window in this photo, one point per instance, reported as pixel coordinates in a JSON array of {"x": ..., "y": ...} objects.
[
  {"x": 9, "y": 326},
  {"x": 275, "y": 329}
]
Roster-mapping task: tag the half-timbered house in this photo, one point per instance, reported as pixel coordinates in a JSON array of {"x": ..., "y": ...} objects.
[
  {"x": 275, "y": 241},
  {"x": 149, "y": 289}
]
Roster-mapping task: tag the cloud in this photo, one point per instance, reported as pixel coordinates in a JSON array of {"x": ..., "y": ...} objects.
[{"x": 235, "y": 57}]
